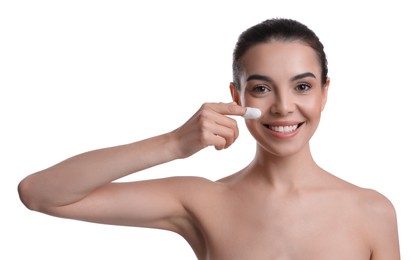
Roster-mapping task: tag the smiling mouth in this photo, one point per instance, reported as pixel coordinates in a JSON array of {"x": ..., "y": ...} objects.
[{"x": 284, "y": 129}]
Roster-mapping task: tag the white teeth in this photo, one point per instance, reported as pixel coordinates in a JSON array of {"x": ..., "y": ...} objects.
[{"x": 284, "y": 129}]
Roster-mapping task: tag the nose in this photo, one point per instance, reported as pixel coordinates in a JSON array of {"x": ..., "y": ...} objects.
[{"x": 283, "y": 104}]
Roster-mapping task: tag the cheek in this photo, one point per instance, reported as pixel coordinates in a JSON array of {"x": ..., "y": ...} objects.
[
  {"x": 311, "y": 107},
  {"x": 243, "y": 97},
  {"x": 262, "y": 103}
]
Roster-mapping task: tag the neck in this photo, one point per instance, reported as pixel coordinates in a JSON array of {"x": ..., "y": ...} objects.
[{"x": 283, "y": 172}]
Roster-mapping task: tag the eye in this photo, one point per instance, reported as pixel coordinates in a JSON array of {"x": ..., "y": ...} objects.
[
  {"x": 303, "y": 87},
  {"x": 260, "y": 89}
]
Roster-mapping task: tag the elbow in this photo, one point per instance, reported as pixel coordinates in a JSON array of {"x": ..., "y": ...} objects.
[{"x": 26, "y": 195}]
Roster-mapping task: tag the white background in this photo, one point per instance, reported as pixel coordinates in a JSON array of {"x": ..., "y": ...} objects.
[{"x": 80, "y": 75}]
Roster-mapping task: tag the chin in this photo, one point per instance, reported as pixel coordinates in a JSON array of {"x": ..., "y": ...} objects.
[
  {"x": 276, "y": 147},
  {"x": 281, "y": 151}
]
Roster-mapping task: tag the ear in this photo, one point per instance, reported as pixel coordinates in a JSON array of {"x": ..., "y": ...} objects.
[
  {"x": 325, "y": 89},
  {"x": 235, "y": 94}
]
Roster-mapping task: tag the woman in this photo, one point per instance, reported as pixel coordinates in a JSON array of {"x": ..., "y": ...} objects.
[{"x": 280, "y": 206}]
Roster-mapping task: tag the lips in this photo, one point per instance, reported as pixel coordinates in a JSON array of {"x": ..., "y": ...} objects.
[{"x": 284, "y": 127}]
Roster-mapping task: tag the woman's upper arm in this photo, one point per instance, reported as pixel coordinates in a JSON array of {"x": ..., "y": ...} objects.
[
  {"x": 384, "y": 230},
  {"x": 151, "y": 203}
]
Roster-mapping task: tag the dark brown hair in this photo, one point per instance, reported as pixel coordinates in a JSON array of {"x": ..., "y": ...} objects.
[{"x": 277, "y": 29}]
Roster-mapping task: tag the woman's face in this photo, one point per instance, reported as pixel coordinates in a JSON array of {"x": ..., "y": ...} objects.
[{"x": 283, "y": 80}]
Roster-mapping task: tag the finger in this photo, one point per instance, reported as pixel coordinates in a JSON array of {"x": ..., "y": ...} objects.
[
  {"x": 210, "y": 139},
  {"x": 215, "y": 121},
  {"x": 210, "y": 130},
  {"x": 226, "y": 108},
  {"x": 228, "y": 134},
  {"x": 220, "y": 142},
  {"x": 225, "y": 123}
]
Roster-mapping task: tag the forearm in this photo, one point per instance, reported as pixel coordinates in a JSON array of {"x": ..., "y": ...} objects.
[{"x": 76, "y": 177}]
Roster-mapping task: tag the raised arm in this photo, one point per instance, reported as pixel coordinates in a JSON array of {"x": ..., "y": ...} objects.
[{"x": 82, "y": 187}]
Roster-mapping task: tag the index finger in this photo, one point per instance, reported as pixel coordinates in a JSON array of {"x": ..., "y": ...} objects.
[{"x": 231, "y": 109}]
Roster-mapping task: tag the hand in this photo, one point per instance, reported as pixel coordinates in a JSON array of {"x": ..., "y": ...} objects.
[{"x": 209, "y": 126}]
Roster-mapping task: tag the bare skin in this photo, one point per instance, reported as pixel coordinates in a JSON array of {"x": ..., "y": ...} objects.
[{"x": 280, "y": 206}]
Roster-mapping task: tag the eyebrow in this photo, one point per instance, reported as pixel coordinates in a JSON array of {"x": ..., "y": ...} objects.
[
  {"x": 268, "y": 79},
  {"x": 303, "y": 75},
  {"x": 259, "y": 77}
]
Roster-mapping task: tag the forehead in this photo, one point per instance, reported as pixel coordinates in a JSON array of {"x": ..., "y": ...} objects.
[{"x": 280, "y": 59}]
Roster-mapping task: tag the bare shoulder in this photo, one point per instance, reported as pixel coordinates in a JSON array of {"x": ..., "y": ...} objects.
[
  {"x": 375, "y": 204},
  {"x": 375, "y": 216},
  {"x": 368, "y": 200},
  {"x": 377, "y": 210},
  {"x": 371, "y": 203},
  {"x": 193, "y": 188},
  {"x": 380, "y": 226},
  {"x": 191, "y": 182}
]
